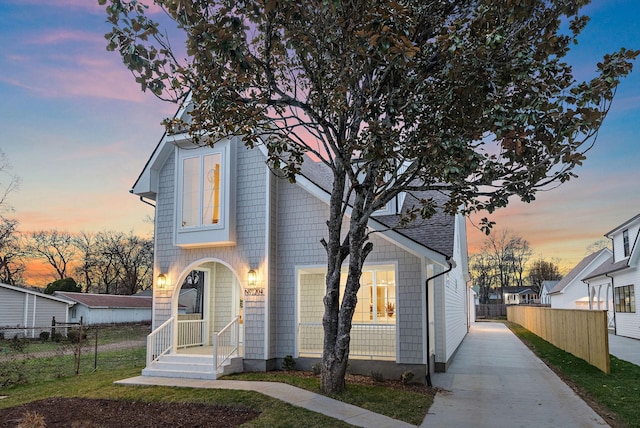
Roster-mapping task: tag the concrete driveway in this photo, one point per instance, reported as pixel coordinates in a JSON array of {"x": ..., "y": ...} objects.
[{"x": 496, "y": 381}]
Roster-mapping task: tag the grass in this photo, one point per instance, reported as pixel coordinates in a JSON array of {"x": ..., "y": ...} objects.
[
  {"x": 399, "y": 404},
  {"x": 404, "y": 405},
  {"x": 617, "y": 393}
]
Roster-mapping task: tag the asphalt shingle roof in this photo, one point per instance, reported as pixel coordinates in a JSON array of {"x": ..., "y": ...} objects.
[
  {"x": 568, "y": 278},
  {"x": 106, "y": 300},
  {"x": 435, "y": 233}
]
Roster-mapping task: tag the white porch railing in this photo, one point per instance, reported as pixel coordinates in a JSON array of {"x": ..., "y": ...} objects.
[
  {"x": 367, "y": 340},
  {"x": 190, "y": 333},
  {"x": 225, "y": 342},
  {"x": 611, "y": 320},
  {"x": 159, "y": 341}
]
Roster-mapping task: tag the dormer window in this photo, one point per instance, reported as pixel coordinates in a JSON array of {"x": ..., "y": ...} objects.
[
  {"x": 205, "y": 199},
  {"x": 625, "y": 242}
]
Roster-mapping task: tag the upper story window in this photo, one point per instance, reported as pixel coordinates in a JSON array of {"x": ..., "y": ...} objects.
[
  {"x": 205, "y": 205},
  {"x": 201, "y": 190},
  {"x": 625, "y": 242}
]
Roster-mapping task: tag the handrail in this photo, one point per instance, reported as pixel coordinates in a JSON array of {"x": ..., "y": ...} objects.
[
  {"x": 159, "y": 341},
  {"x": 226, "y": 342}
]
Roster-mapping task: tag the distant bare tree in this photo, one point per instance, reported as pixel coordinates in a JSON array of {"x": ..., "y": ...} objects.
[
  {"x": 134, "y": 260},
  {"x": 543, "y": 270},
  {"x": 11, "y": 255},
  {"x": 509, "y": 255},
  {"x": 483, "y": 273},
  {"x": 8, "y": 182},
  {"x": 89, "y": 260},
  {"x": 55, "y": 248},
  {"x": 598, "y": 245}
]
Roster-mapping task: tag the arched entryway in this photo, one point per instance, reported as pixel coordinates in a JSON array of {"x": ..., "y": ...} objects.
[{"x": 207, "y": 302}]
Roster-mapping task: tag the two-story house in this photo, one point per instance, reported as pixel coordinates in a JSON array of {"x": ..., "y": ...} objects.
[
  {"x": 619, "y": 277},
  {"x": 249, "y": 242}
]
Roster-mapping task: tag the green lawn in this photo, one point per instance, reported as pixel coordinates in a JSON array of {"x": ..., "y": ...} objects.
[
  {"x": 405, "y": 405},
  {"x": 617, "y": 392}
]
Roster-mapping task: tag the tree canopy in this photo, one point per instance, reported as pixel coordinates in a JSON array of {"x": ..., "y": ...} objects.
[{"x": 470, "y": 97}]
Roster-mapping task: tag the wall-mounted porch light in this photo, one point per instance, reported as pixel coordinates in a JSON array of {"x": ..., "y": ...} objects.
[
  {"x": 252, "y": 288},
  {"x": 161, "y": 281},
  {"x": 252, "y": 278}
]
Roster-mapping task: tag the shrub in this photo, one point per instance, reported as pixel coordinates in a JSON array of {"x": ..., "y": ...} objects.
[
  {"x": 377, "y": 376},
  {"x": 32, "y": 420},
  {"x": 289, "y": 363},
  {"x": 74, "y": 336},
  {"x": 44, "y": 336},
  {"x": 18, "y": 344},
  {"x": 13, "y": 373},
  {"x": 56, "y": 337},
  {"x": 316, "y": 368},
  {"x": 407, "y": 377}
]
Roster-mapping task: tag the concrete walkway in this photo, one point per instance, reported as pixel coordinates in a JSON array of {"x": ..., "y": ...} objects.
[
  {"x": 496, "y": 381},
  {"x": 625, "y": 348},
  {"x": 298, "y": 397}
]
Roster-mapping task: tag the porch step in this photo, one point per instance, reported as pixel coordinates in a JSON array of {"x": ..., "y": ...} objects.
[{"x": 191, "y": 367}]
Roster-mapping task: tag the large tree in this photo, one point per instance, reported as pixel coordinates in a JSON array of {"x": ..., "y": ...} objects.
[
  {"x": 56, "y": 248},
  {"x": 542, "y": 270},
  {"x": 469, "y": 97}
]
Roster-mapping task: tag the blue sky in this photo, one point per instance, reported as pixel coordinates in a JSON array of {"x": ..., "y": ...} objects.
[{"x": 78, "y": 131}]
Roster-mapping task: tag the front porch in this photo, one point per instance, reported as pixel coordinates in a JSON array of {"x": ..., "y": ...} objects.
[{"x": 178, "y": 349}]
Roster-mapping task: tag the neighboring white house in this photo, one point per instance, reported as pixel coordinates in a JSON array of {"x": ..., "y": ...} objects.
[
  {"x": 106, "y": 308},
  {"x": 618, "y": 279},
  {"x": 546, "y": 288},
  {"x": 254, "y": 241},
  {"x": 21, "y": 307},
  {"x": 571, "y": 292},
  {"x": 517, "y": 295}
]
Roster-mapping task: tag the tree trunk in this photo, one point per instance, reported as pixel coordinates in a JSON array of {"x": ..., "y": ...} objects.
[{"x": 337, "y": 319}]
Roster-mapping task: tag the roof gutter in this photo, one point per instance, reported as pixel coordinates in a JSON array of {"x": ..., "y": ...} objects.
[
  {"x": 142, "y": 199},
  {"x": 452, "y": 264}
]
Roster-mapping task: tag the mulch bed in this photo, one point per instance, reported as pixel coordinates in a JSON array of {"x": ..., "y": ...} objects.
[{"x": 101, "y": 413}]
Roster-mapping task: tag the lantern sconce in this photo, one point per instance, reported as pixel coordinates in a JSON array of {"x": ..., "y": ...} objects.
[
  {"x": 162, "y": 281},
  {"x": 252, "y": 278},
  {"x": 252, "y": 288}
]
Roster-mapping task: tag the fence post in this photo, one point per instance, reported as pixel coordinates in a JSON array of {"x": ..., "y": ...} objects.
[
  {"x": 95, "y": 352},
  {"x": 79, "y": 345},
  {"x": 53, "y": 328}
]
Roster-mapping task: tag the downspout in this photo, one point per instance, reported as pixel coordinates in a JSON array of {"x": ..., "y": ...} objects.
[{"x": 426, "y": 289}]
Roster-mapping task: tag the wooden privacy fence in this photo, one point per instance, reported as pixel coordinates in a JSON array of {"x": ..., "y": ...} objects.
[{"x": 580, "y": 332}]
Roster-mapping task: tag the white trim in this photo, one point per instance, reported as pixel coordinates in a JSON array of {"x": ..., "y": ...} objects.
[
  {"x": 423, "y": 316},
  {"x": 266, "y": 277}
]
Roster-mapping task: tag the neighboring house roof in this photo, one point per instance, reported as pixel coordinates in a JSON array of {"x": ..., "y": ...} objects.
[
  {"x": 517, "y": 289},
  {"x": 107, "y": 300},
  {"x": 34, "y": 293},
  {"x": 578, "y": 271},
  {"x": 548, "y": 285}
]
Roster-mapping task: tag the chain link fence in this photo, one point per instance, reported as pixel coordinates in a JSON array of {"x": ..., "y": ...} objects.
[{"x": 44, "y": 353}]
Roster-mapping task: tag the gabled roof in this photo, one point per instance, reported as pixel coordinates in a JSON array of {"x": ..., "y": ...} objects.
[
  {"x": 608, "y": 266},
  {"x": 106, "y": 300},
  {"x": 584, "y": 267},
  {"x": 622, "y": 226},
  {"x": 548, "y": 285},
  {"x": 33, "y": 293},
  {"x": 436, "y": 233}
]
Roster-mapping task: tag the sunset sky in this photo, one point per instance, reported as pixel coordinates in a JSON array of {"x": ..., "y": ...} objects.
[{"x": 78, "y": 131}]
